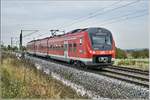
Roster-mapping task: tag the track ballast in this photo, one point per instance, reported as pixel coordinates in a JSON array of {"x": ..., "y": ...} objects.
[{"x": 137, "y": 77}]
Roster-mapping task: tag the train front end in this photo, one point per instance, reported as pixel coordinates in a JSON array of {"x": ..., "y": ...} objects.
[{"x": 101, "y": 47}]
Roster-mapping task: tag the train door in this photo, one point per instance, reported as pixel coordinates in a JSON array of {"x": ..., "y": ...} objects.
[{"x": 66, "y": 49}]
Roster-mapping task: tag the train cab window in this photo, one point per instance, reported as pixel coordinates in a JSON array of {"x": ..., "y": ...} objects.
[{"x": 81, "y": 41}]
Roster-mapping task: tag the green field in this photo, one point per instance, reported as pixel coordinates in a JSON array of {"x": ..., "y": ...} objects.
[{"x": 142, "y": 64}]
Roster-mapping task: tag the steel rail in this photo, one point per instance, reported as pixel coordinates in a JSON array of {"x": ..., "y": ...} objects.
[
  {"x": 127, "y": 74},
  {"x": 145, "y": 84},
  {"x": 129, "y": 69}
]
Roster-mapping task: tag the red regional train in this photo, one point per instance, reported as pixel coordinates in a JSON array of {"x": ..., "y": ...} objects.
[{"x": 82, "y": 47}]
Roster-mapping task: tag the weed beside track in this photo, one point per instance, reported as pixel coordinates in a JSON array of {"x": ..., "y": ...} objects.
[{"x": 20, "y": 79}]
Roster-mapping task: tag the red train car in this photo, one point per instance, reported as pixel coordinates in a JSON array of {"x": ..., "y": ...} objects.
[{"x": 84, "y": 47}]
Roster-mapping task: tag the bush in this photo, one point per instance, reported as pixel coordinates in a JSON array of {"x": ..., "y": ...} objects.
[
  {"x": 140, "y": 53},
  {"x": 120, "y": 53}
]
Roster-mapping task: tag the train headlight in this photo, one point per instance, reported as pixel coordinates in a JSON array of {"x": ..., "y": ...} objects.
[
  {"x": 90, "y": 51},
  {"x": 94, "y": 52}
]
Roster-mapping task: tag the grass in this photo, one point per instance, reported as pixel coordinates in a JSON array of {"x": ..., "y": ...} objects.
[
  {"x": 20, "y": 79},
  {"x": 142, "y": 64}
]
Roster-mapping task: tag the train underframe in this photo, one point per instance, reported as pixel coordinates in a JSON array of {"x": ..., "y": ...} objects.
[{"x": 98, "y": 61}]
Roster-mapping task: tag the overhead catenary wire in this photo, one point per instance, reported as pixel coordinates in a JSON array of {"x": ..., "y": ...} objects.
[
  {"x": 126, "y": 18},
  {"x": 34, "y": 31},
  {"x": 91, "y": 13},
  {"x": 102, "y": 13},
  {"x": 40, "y": 35},
  {"x": 111, "y": 21},
  {"x": 80, "y": 18},
  {"x": 122, "y": 19},
  {"x": 29, "y": 34},
  {"x": 118, "y": 17},
  {"x": 95, "y": 13}
]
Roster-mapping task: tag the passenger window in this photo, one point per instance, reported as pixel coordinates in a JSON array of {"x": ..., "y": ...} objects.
[
  {"x": 62, "y": 47},
  {"x": 65, "y": 47},
  {"x": 70, "y": 46},
  {"x": 74, "y": 46},
  {"x": 81, "y": 41}
]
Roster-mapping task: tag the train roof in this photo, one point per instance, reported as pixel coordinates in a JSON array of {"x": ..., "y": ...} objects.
[{"x": 90, "y": 29}]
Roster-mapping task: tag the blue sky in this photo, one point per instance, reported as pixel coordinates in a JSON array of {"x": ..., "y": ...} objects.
[{"x": 46, "y": 14}]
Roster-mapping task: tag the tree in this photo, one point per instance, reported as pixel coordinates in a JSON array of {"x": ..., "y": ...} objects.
[
  {"x": 15, "y": 48},
  {"x": 23, "y": 48},
  {"x": 120, "y": 53},
  {"x": 9, "y": 47},
  {"x": 4, "y": 47}
]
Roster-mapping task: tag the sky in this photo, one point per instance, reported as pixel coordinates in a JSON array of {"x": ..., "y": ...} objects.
[{"x": 126, "y": 19}]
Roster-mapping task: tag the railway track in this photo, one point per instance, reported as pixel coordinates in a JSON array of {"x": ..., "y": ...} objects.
[
  {"x": 124, "y": 75},
  {"x": 136, "y": 77},
  {"x": 130, "y": 70}
]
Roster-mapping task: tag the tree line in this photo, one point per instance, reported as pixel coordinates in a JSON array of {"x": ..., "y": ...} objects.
[
  {"x": 143, "y": 53},
  {"x": 12, "y": 48}
]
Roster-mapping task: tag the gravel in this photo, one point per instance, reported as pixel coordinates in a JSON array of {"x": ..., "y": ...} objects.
[{"x": 90, "y": 84}]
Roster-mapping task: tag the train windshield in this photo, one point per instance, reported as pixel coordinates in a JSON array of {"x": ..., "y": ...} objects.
[{"x": 101, "y": 39}]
